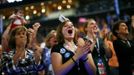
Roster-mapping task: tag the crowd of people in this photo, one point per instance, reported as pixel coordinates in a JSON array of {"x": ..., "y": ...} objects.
[{"x": 105, "y": 51}]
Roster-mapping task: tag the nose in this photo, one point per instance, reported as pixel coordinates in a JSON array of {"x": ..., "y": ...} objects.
[
  {"x": 22, "y": 35},
  {"x": 126, "y": 26},
  {"x": 70, "y": 26}
]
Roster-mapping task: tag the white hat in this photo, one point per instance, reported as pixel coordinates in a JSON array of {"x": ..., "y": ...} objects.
[{"x": 62, "y": 18}]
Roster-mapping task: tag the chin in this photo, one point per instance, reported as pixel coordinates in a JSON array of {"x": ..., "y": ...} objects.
[{"x": 70, "y": 37}]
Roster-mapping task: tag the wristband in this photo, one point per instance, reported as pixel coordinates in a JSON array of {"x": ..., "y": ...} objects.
[{"x": 74, "y": 60}]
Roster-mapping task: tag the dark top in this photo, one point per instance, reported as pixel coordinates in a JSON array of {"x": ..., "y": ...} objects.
[
  {"x": 124, "y": 54},
  {"x": 96, "y": 57},
  {"x": 67, "y": 55}
]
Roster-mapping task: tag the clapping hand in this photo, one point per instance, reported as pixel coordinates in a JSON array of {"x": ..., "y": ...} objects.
[{"x": 83, "y": 48}]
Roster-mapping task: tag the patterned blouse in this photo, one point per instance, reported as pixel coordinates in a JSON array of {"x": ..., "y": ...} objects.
[{"x": 26, "y": 66}]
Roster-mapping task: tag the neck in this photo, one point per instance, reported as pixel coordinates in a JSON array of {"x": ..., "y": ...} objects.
[
  {"x": 69, "y": 42},
  {"x": 91, "y": 36},
  {"x": 123, "y": 37},
  {"x": 70, "y": 45}
]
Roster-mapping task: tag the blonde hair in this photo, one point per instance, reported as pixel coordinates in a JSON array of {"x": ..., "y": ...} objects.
[{"x": 48, "y": 37}]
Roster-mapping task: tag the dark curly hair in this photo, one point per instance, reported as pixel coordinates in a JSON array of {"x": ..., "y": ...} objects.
[{"x": 116, "y": 27}]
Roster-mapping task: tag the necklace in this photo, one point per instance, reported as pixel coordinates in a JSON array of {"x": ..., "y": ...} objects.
[{"x": 72, "y": 47}]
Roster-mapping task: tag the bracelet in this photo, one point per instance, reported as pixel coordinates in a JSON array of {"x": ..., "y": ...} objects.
[
  {"x": 74, "y": 60},
  {"x": 85, "y": 60}
]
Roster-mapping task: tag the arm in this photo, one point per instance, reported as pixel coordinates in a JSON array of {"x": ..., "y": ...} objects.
[
  {"x": 58, "y": 67},
  {"x": 5, "y": 38},
  {"x": 89, "y": 65},
  {"x": 30, "y": 38},
  {"x": 32, "y": 43},
  {"x": 88, "y": 61},
  {"x": 36, "y": 27},
  {"x": 24, "y": 20},
  {"x": 13, "y": 16},
  {"x": 108, "y": 50},
  {"x": 32, "y": 35}
]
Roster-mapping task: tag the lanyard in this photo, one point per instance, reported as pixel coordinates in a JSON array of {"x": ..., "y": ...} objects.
[
  {"x": 98, "y": 46},
  {"x": 128, "y": 43}
]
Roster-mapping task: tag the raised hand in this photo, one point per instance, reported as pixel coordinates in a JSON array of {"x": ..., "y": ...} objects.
[
  {"x": 82, "y": 49},
  {"x": 36, "y": 26}
]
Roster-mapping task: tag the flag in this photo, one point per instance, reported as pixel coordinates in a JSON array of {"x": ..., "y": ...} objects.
[
  {"x": 117, "y": 9},
  {"x": 1, "y": 24}
]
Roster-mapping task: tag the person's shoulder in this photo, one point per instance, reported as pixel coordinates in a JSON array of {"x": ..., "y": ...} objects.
[
  {"x": 58, "y": 45},
  {"x": 8, "y": 54},
  {"x": 56, "y": 48},
  {"x": 117, "y": 40}
]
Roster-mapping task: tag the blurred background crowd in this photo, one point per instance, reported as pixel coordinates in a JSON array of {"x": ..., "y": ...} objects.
[{"x": 47, "y": 11}]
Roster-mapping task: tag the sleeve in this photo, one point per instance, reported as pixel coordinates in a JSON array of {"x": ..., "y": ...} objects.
[
  {"x": 121, "y": 48},
  {"x": 56, "y": 48},
  {"x": 6, "y": 61},
  {"x": 116, "y": 47},
  {"x": 3, "y": 60}
]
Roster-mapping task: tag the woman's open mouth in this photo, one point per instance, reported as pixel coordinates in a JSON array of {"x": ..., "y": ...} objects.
[
  {"x": 55, "y": 41},
  {"x": 70, "y": 31}
]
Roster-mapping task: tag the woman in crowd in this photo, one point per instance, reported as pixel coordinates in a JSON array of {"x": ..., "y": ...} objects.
[
  {"x": 108, "y": 37},
  {"x": 67, "y": 58},
  {"x": 113, "y": 61},
  {"x": 19, "y": 60},
  {"x": 101, "y": 52},
  {"x": 50, "y": 41},
  {"x": 123, "y": 48}
]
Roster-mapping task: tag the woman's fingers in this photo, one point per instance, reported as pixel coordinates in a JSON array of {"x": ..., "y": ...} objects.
[{"x": 81, "y": 51}]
